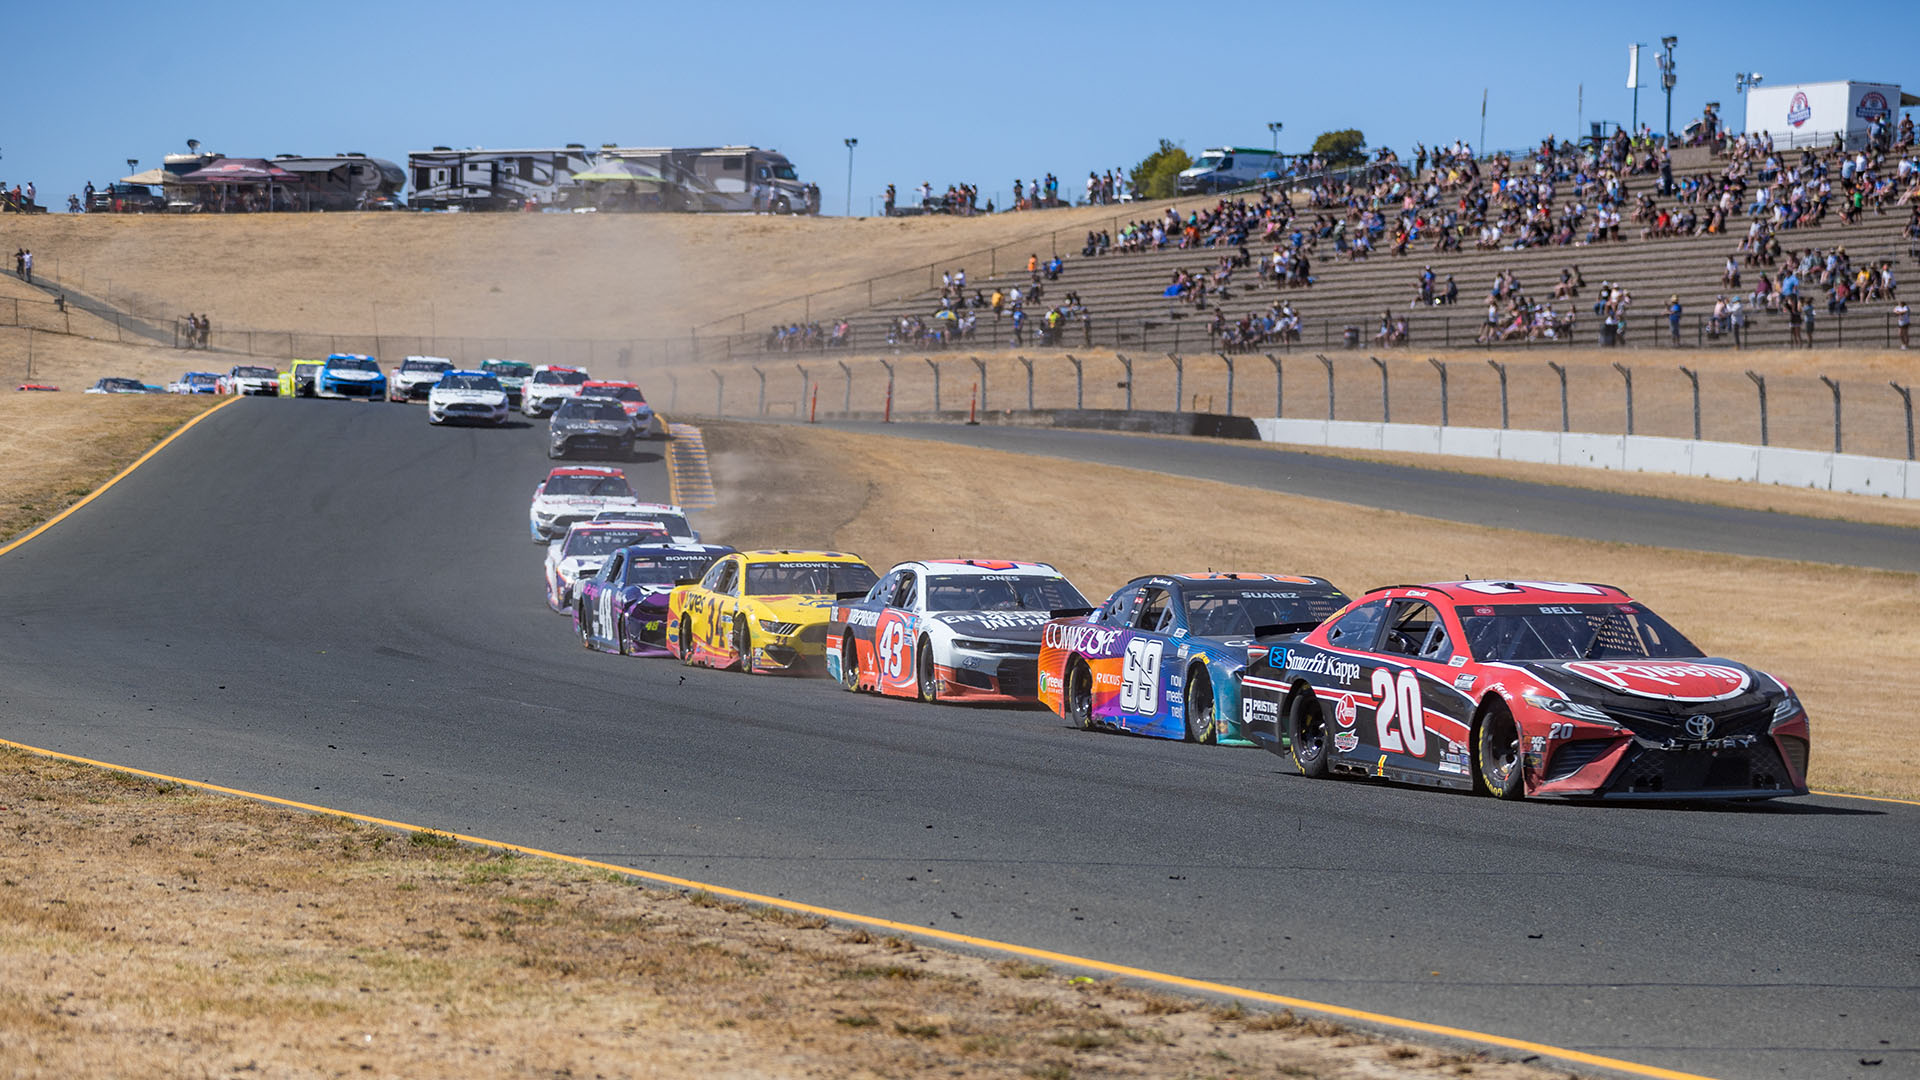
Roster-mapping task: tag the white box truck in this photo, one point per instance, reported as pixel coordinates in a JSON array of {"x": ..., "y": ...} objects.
[{"x": 1812, "y": 114}]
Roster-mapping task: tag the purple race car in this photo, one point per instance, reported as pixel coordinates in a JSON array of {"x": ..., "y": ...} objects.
[{"x": 623, "y": 608}]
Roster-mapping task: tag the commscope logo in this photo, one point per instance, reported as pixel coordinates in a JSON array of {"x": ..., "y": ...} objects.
[{"x": 1081, "y": 638}]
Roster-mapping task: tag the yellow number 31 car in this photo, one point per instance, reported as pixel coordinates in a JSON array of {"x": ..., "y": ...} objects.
[{"x": 763, "y": 610}]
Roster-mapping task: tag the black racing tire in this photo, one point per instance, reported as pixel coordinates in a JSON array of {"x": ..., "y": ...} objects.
[
  {"x": 924, "y": 680},
  {"x": 1200, "y": 688},
  {"x": 620, "y": 635},
  {"x": 849, "y": 661},
  {"x": 743, "y": 644},
  {"x": 586, "y": 628},
  {"x": 1307, "y": 735},
  {"x": 1077, "y": 696},
  {"x": 686, "y": 641},
  {"x": 1498, "y": 768}
]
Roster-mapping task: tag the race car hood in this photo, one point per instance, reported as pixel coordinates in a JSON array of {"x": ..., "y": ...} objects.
[
  {"x": 575, "y": 567},
  {"x": 801, "y": 608},
  {"x": 352, "y": 375},
  {"x": 414, "y": 378},
  {"x": 546, "y": 390},
  {"x": 467, "y": 397},
  {"x": 1024, "y": 627},
  {"x": 555, "y": 504},
  {"x": 580, "y": 426},
  {"x": 1660, "y": 698}
]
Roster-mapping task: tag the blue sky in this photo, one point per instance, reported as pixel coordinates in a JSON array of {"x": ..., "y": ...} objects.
[{"x": 980, "y": 93}]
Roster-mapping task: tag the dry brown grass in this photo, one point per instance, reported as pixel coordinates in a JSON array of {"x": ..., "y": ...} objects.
[
  {"x": 1821, "y": 628},
  {"x": 149, "y": 929},
  {"x": 55, "y": 448}
]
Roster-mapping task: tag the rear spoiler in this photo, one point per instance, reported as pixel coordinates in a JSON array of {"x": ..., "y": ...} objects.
[
  {"x": 1069, "y": 612},
  {"x": 847, "y": 597},
  {"x": 1283, "y": 629}
]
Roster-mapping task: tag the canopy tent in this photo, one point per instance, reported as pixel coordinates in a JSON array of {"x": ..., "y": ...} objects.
[
  {"x": 147, "y": 179},
  {"x": 619, "y": 169},
  {"x": 227, "y": 174}
]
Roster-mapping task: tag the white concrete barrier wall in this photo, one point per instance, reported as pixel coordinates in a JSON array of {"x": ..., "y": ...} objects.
[{"x": 1640, "y": 453}]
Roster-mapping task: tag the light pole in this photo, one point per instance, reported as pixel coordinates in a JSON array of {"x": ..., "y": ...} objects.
[
  {"x": 1667, "y": 79},
  {"x": 133, "y": 165},
  {"x": 1743, "y": 82},
  {"x": 1274, "y": 127},
  {"x": 851, "y": 143}
]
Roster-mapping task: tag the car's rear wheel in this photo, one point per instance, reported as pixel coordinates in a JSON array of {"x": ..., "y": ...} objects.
[
  {"x": 743, "y": 645},
  {"x": 1307, "y": 734},
  {"x": 686, "y": 641},
  {"x": 923, "y": 674},
  {"x": 1079, "y": 694},
  {"x": 1496, "y": 753},
  {"x": 849, "y": 661},
  {"x": 1200, "y": 708}
]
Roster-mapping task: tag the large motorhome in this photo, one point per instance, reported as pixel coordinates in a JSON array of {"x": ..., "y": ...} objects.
[
  {"x": 725, "y": 178},
  {"x": 476, "y": 179},
  {"x": 350, "y": 181}
]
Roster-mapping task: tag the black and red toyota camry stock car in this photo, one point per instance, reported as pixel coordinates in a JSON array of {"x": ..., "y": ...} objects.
[{"x": 1525, "y": 688}]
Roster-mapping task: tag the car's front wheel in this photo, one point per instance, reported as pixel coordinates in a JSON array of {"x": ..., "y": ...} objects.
[
  {"x": 1496, "y": 753},
  {"x": 1078, "y": 694},
  {"x": 1307, "y": 734},
  {"x": 925, "y": 679},
  {"x": 1200, "y": 708},
  {"x": 743, "y": 645}
]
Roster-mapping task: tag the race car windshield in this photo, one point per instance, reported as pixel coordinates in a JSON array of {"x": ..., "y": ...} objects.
[
  {"x": 561, "y": 378},
  {"x": 469, "y": 382},
  {"x": 123, "y": 384},
  {"x": 198, "y": 379},
  {"x": 1246, "y": 612},
  {"x": 1511, "y": 632},
  {"x": 253, "y": 373},
  {"x": 511, "y": 369},
  {"x": 608, "y": 541},
  {"x": 612, "y": 487},
  {"x": 807, "y": 578},
  {"x": 425, "y": 365},
  {"x": 665, "y": 571},
  {"x": 1001, "y": 592},
  {"x": 586, "y": 409},
  {"x": 352, "y": 363}
]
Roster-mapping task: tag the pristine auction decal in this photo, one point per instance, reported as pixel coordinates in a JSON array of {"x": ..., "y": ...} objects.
[{"x": 1666, "y": 680}]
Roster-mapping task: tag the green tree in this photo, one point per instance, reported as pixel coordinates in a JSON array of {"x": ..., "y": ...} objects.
[
  {"x": 1155, "y": 176},
  {"x": 1347, "y": 147}
]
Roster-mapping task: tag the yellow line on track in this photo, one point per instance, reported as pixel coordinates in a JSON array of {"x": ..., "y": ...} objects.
[
  {"x": 1869, "y": 798},
  {"x": 117, "y": 477},
  {"x": 1375, "y": 1019}
]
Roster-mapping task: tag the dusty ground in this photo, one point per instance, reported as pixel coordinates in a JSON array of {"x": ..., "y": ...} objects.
[
  {"x": 1815, "y": 627},
  {"x": 149, "y": 929},
  {"x": 54, "y": 448}
]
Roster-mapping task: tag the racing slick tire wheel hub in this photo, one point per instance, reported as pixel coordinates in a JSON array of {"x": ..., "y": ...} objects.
[
  {"x": 1307, "y": 735},
  {"x": 1498, "y": 766}
]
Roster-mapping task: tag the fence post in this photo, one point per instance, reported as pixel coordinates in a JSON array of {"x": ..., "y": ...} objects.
[
  {"x": 1386, "y": 405},
  {"x": 1079, "y": 395},
  {"x": 1906, "y": 401},
  {"x": 1760, "y": 381},
  {"x": 1179, "y": 380},
  {"x": 1128, "y": 364},
  {"x": 846, "y": 403},
  {"x": 982, "y": 365},
  {"x": 1560, "y": 370},
  {"x": 1441, "y": 367},
  {"x": 763, "y": 390},
  {"x": 719, "y": 393},
  {"x": 1834, "y": 386},
  {"x": 1627, "y": 374},
  {"x": 804, "y": 380},
  {"x": 1029, "y": 366},
  {"x": 673, "y": 392},
  {"x": 1328, "y": 364},
  {"x": 1279, "y": 387},
  {"x": 1694, "y": 378},
  {"x": 1502, "y": 369},
  {"x": 1228, "y": 360},
  {"x": 935, "y": 365}
]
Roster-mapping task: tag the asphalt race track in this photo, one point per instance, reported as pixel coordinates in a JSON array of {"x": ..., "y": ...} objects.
[
  {"x": 1478, "y": 500},
  {"x": 335, "y": 603}
]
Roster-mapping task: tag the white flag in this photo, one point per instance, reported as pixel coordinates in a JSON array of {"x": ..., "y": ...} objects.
[{"x": 1633, "y": 67}]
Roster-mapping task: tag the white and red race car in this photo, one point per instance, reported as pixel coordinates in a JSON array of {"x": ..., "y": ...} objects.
[
  {"x": 584, "y": 549},
  {"x": 574, "y": 494},
  {"x": 414, "y": 379}
]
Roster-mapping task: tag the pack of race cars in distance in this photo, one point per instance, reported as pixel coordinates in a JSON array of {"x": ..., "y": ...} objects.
[{"x": 1511, "y": 688}]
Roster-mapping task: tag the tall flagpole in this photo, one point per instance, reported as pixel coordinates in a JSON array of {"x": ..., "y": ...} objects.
[{"x": 1483, "y": 121}]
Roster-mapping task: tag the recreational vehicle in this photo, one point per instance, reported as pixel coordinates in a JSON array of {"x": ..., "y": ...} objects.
[
  {"x": 344, "y": 181},
  {"x": 448, "y": 179},
  {"x": 725, "y": 178}
]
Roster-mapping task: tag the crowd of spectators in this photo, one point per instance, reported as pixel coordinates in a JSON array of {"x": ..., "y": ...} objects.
[
  {"x": 807, "y": 336},
  {"x": 961, "y": 199},
  {"x": 17, "y": 200}
]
